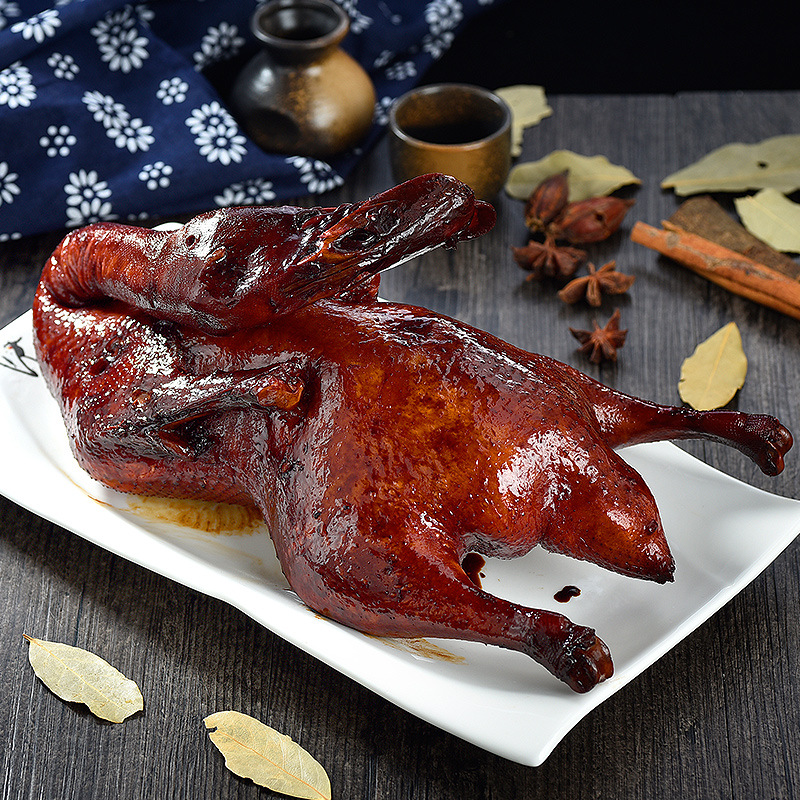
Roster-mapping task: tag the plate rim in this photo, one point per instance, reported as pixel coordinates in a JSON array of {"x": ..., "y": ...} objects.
[{"x": 314, "y": 635}]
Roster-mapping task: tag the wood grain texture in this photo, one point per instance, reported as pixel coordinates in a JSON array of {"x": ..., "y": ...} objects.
[{"x": 716, "y": 717}]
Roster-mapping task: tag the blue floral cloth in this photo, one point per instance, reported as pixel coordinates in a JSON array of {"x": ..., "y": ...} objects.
[{"x": 106, "y": 110}]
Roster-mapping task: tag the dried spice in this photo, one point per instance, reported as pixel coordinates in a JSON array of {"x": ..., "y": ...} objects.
[
  {"x": 598, "y": 282},
  {"x": 546, "y": 202},
  {"x": 528, "y": 106},
  {"x": 704, "y": 216},
  {"x": 551, "y": 219},
  {"x": 589, "y": 176},
  {"x": 772, "y": 217},
  {"x": 78, "y": 676},
  {"x": 547, "y": 259},
  {"x": 268, "y": 758},
  {"x": 591, "y": 220},
  {"x": 739, "y": 167},
  {"x": 733, "y": 271},
  {"x": 601, "y": 344},
  {"x": 715, "y": 371}
]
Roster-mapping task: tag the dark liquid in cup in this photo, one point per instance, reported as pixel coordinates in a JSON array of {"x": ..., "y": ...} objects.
[
  {"x": 451, "y": 133},
  {"x": 306, "y": 33}
]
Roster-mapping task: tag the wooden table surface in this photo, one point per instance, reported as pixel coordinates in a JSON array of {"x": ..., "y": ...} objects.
[{"x": 717, "y": 717}]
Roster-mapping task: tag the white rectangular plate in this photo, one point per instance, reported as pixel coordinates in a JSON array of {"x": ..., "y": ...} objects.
[{"x": 722, "y": 533}]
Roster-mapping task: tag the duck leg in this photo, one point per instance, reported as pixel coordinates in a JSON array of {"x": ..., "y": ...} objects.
[
  {"x": 402, "y": 576},
  {"x": 626, "y": 420}
]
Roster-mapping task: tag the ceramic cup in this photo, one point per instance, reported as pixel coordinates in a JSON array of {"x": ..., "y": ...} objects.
[{"x": 457, "y": 129}]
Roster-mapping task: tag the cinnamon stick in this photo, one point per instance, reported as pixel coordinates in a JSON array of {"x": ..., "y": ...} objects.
[
  {"x": 727, "y": 268},
  {"x": 707, "y": 218}
]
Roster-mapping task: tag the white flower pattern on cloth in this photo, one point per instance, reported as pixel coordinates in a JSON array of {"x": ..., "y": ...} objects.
[
  {"x": 156, "y": 175},
  {"x": 438, "y": 45},
  {"x": 16, "y": 86},
  {"x": 58, "y": 141},
  {"x": 140, "y": 217},
  {"x": 382, "y": 107},
  {"x": 87, "y": 198},
  {"x": 133, "y": 135},
  {"x": 383, "y": 58},
  {"x": 8, "y": 188},
  {"x": 358, "y": 22},
  {"x": 217, "y": 44},
  {"x": 172, "y": 90},
  {"x": 39, "y": 27},
  {"x": 317, "y": 176},
  {"x": 442, "y": 16},
  {"x": 401, "y": 70},
  {"x": 119, "y": 40},
  {"x": 105, "y": 109},
  {"x": 64, "y": 66},
  {"x": 255, "y": 191},
  {"x": 8, "y": 10},
  {"x": 162, "y": 141},
  {"x": 126, "y": 132},
  {"x": 216, "y": 134}
]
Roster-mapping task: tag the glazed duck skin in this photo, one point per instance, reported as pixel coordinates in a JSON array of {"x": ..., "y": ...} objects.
[
  {"x": 382, "y": 443},
  {"x": 241, "y": 267}
]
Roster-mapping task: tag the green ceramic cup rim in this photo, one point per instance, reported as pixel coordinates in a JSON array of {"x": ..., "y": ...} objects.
[
  {"x": 502, "y": 128},
  {"x": 339, "y": 20}
]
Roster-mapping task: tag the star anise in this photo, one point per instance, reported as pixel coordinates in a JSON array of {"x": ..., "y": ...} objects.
[
  {"x": 547, "y": 259},
  {"x": 601, "y": 344},
  {"x": 599, "y": 281}
]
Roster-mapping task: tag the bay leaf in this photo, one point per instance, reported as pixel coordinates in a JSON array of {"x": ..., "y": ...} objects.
[
  {"x": 528, "y": 106},
  {"x": 773, "y": 218},
  {"x": 737, "y": 167},
  {"x": 268, "y": 758},
  {"x": 712, "y": 375},
  {"x": 78, "y": 676},
  {"x": 589, "y": 176}
]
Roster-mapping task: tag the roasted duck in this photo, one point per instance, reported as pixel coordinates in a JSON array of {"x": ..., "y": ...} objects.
[{"x": 245, "y": 358}]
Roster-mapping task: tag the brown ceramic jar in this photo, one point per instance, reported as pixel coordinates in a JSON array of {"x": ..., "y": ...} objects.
[{"x": 302, "y": 94}]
